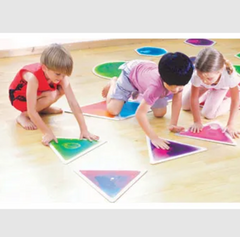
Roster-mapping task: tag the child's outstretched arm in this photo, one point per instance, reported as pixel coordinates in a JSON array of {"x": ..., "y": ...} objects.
[
  {"x": 32, "y": 112},
  {"x": 84, "y": 133},
  {"x": 233, "y": 112},
  {"x": 141, "y": 116},
  {"x": 176, "y": 107},
  {"x": 197, "y": 126}
]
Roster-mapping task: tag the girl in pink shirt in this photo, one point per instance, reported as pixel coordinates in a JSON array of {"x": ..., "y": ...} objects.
[
  {"x": 155, "y": 83},
  {"x": 213, "y": 78}
]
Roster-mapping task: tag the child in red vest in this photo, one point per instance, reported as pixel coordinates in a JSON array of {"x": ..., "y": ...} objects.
[{"x": 37, "y": 86}]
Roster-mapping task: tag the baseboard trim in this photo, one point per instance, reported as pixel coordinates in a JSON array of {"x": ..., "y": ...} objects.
[{"x": 74, "y": 46}]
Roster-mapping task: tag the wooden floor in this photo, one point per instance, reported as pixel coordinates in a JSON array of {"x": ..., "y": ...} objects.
[{"x": 31, "y": 173}]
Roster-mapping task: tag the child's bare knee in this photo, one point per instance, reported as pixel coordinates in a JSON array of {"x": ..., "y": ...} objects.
[
  {"x": 56, "y": 95},
  {"x": 186, "y": 107},
  {"x": 159, "y": 114},
  {"x": 113, "y": 110},
  {"x": 207, "y": 115},
  {"x": 51, "y": 96}
]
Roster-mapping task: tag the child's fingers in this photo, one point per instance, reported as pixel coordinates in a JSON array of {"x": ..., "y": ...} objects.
[
  {"x": 182, "y": 129},
  {"x": 179, "y": 129},
  {"x": 166, "y": 142},
  {"x": 56, "y": 140},
  {"x": 89, "y": 138},
  {"x": 232, "y": 135},
  {"x": 45, "y": 142},
  {"x": 176, "y": 129},
  {"x": 235, "y": 134},
  {"x": 157, "y": 146},
  {"x": 95, "y": 137},
  {"x": 192, "y": 129},
  {"x": 165, "y": 146}
]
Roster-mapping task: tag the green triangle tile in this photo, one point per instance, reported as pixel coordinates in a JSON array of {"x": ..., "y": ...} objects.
[{"x": 69, "y": 149}]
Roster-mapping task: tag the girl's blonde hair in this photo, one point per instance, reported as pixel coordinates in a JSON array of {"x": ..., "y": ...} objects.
[
  {"x": 211, "y": 60},
  {"x": 57, "y": 58}
]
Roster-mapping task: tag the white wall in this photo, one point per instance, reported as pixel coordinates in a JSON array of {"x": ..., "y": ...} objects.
[{"x": 18, "y": 41}]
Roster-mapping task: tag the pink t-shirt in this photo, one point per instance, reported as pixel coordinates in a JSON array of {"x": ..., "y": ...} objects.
[{"x": 145, "y": 77}]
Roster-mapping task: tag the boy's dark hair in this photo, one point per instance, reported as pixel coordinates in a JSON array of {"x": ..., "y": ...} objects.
[{"x": 175, "y": 68}]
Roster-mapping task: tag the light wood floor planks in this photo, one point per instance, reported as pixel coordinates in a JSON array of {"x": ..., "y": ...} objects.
[{"x": 32, "y": 173}]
